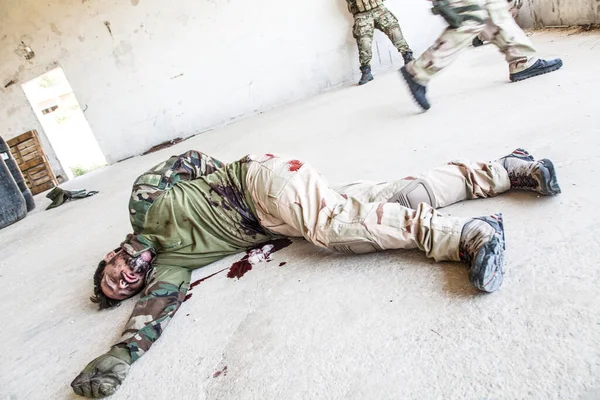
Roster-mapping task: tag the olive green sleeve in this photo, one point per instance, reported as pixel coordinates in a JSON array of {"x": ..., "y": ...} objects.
[{"x": 160, "y": 300}]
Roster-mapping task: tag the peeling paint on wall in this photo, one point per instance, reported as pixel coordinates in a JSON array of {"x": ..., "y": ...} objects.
[
  {"x": 55, "y": 29},
  {"x": 107, "y": 24},
  {"x": 541, "y": 13},
  {"x": 25, "y": 51}
]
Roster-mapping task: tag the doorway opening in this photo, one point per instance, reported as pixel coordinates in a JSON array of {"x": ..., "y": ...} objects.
[{"x": 64, "y": 123}]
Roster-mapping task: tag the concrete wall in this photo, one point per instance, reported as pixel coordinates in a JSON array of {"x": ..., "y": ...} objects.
[
  {"x": 174, "y": 69},
  {"x": 540, "y": 13}
]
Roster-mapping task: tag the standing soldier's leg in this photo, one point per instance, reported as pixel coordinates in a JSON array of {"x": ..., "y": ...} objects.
[
  {"x": 446, "y": 48},
  {"x": 293, "y": 199},
  {"x": 516, "y": 46},
  {"x": 387, "y": 22},
  {"x": 363, "y": 33}
]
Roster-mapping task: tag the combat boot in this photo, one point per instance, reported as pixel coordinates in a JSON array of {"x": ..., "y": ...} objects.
[
  {"x": 540, "y": 67},
  {"x": 419, "y": 92},
  {"x": 482, "y": 248},
  {"x": 527, "y": 174},
  {"x": 366, "y": 75},
  {"x": 408, "y": 57},
  {"x": 477, "y": 42}
]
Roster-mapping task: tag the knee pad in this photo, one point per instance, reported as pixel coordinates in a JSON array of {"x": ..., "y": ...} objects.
[
  {"x": 356, "y": 246},
  {"x": 413, "y": 194}
]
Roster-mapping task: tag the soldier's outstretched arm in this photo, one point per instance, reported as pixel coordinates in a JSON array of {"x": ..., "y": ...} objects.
[{"x": 161, "y": 299}]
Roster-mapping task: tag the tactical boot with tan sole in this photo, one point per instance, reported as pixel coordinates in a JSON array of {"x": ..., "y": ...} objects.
[
  {"x": 482, "y": 248},
  {"x": 527, "y": 174}
]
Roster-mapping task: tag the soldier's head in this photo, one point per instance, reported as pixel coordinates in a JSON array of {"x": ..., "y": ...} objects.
[{"x": 120, "y": 276}]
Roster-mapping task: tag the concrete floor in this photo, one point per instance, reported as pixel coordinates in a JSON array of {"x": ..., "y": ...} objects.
[{"x": 392, "y": 325}]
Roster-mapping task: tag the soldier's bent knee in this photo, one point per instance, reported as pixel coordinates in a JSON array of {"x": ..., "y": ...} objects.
[{"x": 413, "y": 194}]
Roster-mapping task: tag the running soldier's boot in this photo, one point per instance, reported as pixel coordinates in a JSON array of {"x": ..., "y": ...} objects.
[
  {"x": 366, "y": 75},
  {"x": 527, "y": 174},
  {"x": 408, "y": 57},
  {"x": 482, "y": 248},
  {"x": 540, "y": 67},
  {"x": 419, "y": 92}
]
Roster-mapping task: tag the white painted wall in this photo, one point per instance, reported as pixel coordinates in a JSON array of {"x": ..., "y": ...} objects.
[
  {"x": 172, "y": 69},
  {"x": 540, "y": 13}
]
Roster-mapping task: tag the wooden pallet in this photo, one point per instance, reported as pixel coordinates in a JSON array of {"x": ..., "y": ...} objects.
[{"x": 32, "y": 161}]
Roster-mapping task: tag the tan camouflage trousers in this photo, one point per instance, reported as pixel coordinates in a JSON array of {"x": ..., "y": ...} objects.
[
  {"x": 364, "y": 27},
  {"x": 501, "y": 29},
  {"x": 513, "y": 8},
  {"x": 292, "y": 199}
]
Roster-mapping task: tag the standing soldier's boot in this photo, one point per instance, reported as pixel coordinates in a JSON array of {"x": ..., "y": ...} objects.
[
  {"x": 366, "y": 74},
  {"x": 408, "y": 57},
  {"x": 527, "y": 174}
]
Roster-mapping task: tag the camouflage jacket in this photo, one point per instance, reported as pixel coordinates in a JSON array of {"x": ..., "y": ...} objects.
[
  {"x": 190, "y": 210},
  {"x": 358, "y": 6}
]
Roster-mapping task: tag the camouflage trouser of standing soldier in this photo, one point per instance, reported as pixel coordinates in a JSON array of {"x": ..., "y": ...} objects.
[
  {"x": 292, "y": 199},
  {"x": 504, "y": 33},
  {"x": 364, "y": 27}
]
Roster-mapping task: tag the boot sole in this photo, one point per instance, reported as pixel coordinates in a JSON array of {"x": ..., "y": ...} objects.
[
  {"x": 407, "y": 78},
  {"x": 491, "y": 258},
  {"x": 550, "y": 185},
  {"x": 364, "y": 83},
  {"x": 537, "y": 72}
]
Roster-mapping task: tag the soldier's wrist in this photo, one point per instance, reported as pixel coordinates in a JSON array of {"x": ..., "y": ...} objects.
[{"x": 122, "y": 353}]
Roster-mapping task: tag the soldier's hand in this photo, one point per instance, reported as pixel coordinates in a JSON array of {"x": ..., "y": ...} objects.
[{"x": 103, "y": 376}]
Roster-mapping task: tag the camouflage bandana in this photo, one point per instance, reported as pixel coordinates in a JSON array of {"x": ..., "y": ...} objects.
[
  {"x": 134, "y": 245},
  {"x": 139, "y": 264},
  {"x": 133, "y": 250}
]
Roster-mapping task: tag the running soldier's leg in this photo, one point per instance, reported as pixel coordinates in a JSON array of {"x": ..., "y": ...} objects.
[
  {"x": 509, "y": 37},
  {"x": 490, "y": 28},
  {"x": 447, "y": 46},
  {"x": 363, "y": 33},
  {"x": 387, "y": 22},
  {"x": 514, "y": 6}
]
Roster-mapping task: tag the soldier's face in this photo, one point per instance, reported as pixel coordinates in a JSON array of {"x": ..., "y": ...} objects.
[{"x": 123, "y": 276}]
